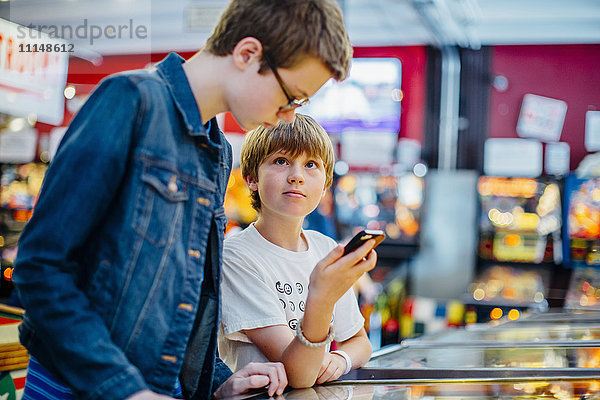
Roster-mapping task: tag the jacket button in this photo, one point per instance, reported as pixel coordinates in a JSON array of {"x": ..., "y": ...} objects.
[
  {"x": 171, "y": 359},
  {"x": 203, "y": 201},
  {"x": 186, "y": 306},
  {"x": 172, "y": 186},
  {"x": 194, "y": 253}
]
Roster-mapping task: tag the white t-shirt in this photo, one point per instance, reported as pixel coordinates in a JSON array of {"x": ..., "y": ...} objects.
[{"x": 265, "y": 285}]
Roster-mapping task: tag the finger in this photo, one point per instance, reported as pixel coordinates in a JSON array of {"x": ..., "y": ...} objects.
[
  {"x": 322, "y": 369},
  {"x": 257, "y": 375},
  {"x": 324, "y": 366},
  {"x": 273, "y": 377},
  {"x": 275, "y": 373},
  {"x": 327, "y": 373},
  {"x": 360, "y": 253},
  {"x": 252, "y": 382},
  {"x": 283, "y": 382},
  {"x": 371, "y": 260},
  {"x": 255, "y": 368},
  {"x": 330, "y": 370},
  {"x": 365, "y": 264},
  {"x": 278, "y": 379},
  {"x": 338, "y": 372},
  {"x": 332, "y": 256}
]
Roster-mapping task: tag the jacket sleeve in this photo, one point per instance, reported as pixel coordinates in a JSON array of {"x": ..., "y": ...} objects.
[
  {"x": 222, "y": 373},
  {"x": 74, "y": 343}
]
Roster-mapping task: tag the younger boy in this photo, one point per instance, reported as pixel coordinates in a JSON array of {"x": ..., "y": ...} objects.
[
  {"x": 283, "y": 298},
  {"x": 119, "y": 268}
]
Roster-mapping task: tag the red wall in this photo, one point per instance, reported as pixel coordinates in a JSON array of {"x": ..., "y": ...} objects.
[{"x": 566, "y": 72}]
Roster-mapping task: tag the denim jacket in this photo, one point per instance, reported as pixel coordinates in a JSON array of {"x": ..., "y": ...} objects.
[{"x": 119, "y": 267}]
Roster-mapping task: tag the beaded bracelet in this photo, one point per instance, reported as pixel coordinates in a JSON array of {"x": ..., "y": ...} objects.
[{"x": 310, "y": 344}]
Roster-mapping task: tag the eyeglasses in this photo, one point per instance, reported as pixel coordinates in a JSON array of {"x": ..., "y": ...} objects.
[{"x": 292, "y": 102}]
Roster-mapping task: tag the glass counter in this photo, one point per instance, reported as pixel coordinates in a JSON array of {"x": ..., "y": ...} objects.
[
  {"x": 562, "y": 389},
  {"x": 554, "y": 316},
  {"x": 514, "y": 335}
]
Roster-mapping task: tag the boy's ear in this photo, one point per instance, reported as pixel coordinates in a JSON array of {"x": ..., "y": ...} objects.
[
  {"x": 247, "y": 51},
  {"x": 251, "y": 182}
]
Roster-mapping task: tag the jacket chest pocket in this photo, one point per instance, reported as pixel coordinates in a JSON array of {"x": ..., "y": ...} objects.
[{"x": 159, "y": 205}]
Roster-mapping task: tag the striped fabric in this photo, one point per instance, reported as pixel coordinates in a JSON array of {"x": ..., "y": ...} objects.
[{"x": 41, "y": 385}]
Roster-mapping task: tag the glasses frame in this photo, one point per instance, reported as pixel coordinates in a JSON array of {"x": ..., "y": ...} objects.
[{"x": 293, "y": 103}]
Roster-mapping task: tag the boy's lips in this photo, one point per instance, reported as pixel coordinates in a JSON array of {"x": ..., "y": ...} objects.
[{"x": 294, "y": 193}]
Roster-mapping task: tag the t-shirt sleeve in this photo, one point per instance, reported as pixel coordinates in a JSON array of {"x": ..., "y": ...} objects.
[
  {"x": 247, "y": 301},
  {"x": 347, "y": 317}
]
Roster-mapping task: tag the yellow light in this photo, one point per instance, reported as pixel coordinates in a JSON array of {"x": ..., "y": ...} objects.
[
  {"x": 583, "y": 300},
  {"x": 231, "y": 182},
  {"x": 32, "y": 118},
  {"x": 496, "y": 313},
  {"x": 528, "y": 221},
  {"x": 512, "y": 240},
  {"x": 538, "y": 297},
  {"x": 478, "y": 294},
  {"x": 397, "y": 95},
  {"x": 69, "y": 92},
  {"x": 16, "y": 124},
  {"x": 514, "y": 314},
  {"x": 8, "y": 274}
]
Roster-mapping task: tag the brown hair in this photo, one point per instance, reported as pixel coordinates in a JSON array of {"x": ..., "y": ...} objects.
[
  {"x": 288, "y": 30},
  {"x": 304, "y": 135}
]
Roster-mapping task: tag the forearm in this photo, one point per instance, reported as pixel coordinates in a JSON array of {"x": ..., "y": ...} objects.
[
  {"x": 302, "y": 363},
  {"x": 358, "y": 348}
]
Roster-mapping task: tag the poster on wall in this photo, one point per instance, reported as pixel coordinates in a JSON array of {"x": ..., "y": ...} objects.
[
  {"x": 512, "y": 157},
  {"x": 557, "y": 159},
  {"x": 541, "y": 118},
  {"x": 592, "y": 130}
]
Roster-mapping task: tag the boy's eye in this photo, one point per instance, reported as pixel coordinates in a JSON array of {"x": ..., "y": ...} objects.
[
  {"x": 311, "y": 164},
  {"x": 280, "y": 161}
]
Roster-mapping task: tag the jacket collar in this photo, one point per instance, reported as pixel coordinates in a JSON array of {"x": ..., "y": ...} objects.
[{"x": 172, "y": 72}]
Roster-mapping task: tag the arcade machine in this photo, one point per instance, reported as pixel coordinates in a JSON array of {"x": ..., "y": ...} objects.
[
  {"x": 20, "y": 182},
  {"x": 519, "y": 246},
  {"x": 390, "y": 203},
  {"x": 19, "y": 188},
  {"x": 237, "y": 203},
  {"x": 582, "y": 242}
]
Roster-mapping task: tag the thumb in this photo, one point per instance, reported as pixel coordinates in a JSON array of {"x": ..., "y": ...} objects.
[
  {"x": 257, "y": 381},
  {"x": 333, "y": 255}
]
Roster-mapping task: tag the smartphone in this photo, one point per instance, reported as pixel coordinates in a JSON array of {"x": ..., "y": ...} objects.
[{"x": 361, "y": 237}]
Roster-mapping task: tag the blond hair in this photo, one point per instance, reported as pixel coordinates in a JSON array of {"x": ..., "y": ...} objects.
[
  {"x": 304, "y": 135},
  {"x": 289, "y": 30}
]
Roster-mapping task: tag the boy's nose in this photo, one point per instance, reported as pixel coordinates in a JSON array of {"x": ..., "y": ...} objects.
[
  {"x": 296, "y": 178},
  {"x": 287, "y": 116}
]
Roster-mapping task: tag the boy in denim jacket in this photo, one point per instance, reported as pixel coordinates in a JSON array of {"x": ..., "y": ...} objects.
[{"x": 119, "y": 268}]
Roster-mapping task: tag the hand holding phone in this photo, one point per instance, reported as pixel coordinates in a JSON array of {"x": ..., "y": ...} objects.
[{"x": 361, "y": 237}]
